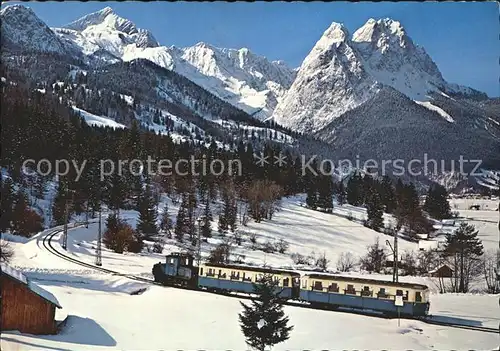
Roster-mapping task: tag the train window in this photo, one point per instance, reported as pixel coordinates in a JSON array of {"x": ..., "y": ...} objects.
[
  {"x": 286, "y": 281},
  {"x": 418, "y": 296},
  {"x": 382, "y": 293},
  {"x": 201, "y": 271},
  {"x": 350, "y": 289},
  {"x": 405, "y": 296},
  {"x": 318, "y": 286},
  {"x": 304, "y": 284},
  {"x": 399, "y": 292},
  {"x": 366, "y": 291},
  {"x": 333, "y": 287}
]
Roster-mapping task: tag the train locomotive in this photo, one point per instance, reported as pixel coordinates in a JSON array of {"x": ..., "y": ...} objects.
[{"x": 318, "y": 290}]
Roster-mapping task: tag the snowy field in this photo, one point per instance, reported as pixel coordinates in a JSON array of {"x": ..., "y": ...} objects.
[
  {"x": 485, "y": 219},
  {"x": 102, "y": 314},
  {"x": 172, "y": 319}
]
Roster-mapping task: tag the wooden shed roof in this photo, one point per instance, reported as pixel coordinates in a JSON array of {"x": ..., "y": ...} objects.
[{"x": 35, "y": 288}]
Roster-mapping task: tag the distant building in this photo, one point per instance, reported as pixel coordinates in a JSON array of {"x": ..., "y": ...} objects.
[
  {"x": 426, "y": 245},
  {"x": 424, "y": 236},
  {"x": 25, "y": 306},
  {"x": 442, "y": 272},
  {"x": 448, "y": 222}
]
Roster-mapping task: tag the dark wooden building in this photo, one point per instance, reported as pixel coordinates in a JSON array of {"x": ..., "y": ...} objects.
[
  {"x": 442, "y": 272},
  {"x": 25, "y": 306}
]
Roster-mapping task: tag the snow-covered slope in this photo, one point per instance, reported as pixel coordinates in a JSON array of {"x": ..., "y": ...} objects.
[
  {"x": 330, "y": 81},
  {"x": 248, "y": 81},
  {"x": 341, "y": 73},
  {"x": 98, "y": 121},
  {"x": 104, "y": 315}
]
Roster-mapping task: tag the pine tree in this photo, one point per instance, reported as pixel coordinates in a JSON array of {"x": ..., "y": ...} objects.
[
  {"x": 263, "y": 322},
  {"x": 436, "y": 203},
  {"x": 59, "y": 205},
  {"x": 181, "y": 220},
  {"x": 387, "y": 194},
  {"x": 190, "y": 225},
  {"x": 325, "y": 192},
  {"x": 375, "y": 211},
  {"x": 354, "y": 190},
  {"x": 116, "y": 192},
  {"x": 230, "y": 212},
  {"x": 206, "y": 227},
  {"x": 147, "y": 213},
  {"x": 312, "y": 197},
  {"x": 409, "y": 213},
  {"x": 465, "y": 248},
  {"x": 222, "y": 225},
  {"x": 7, "y": 198},
  {"x": 341, "y": 193}
]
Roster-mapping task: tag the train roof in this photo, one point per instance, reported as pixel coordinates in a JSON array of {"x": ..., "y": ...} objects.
[
  {"x": 365, "y": 280},
  {"x": 251, "y": 268}
]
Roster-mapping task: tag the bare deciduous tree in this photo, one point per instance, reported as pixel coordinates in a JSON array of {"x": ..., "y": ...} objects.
[
  {"x": 322, "y": 262},
  {"x": 490, "y": 261},
  {"x": 346, "y": 262},
  {"x": 374, "y": 259},
  {"x": 409, "y": 263},
  {"x": 263, "y": 198}
]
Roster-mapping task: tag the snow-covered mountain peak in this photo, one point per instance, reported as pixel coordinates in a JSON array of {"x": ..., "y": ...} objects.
[
  {"x": 16, "y": 8},
  {"x": 105, "y": 16},
  {"x": 335, "y": 34},
  {"x": 21, "y": 28},
  {"x": 381, "y": 32},
  {"x": 330, "y": 81},
  {"x": 106, "y": 22},
  {"x": 393, "y": 59}
]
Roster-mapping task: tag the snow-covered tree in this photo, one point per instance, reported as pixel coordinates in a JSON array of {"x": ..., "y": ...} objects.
[{"x": 263, "y": 322}]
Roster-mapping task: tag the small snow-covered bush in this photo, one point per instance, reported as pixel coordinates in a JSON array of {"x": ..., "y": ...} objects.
[
  {"x": 158, "y": 247},
  {"x": 298, "y": 258},
  {"x": 269, "y": 247},
  {"x": 282, "y": 246}
]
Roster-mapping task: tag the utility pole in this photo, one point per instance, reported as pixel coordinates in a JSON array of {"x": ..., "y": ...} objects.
[
  {"x": 395, "y": 271},
  {"x": 388, "y": 243},
  {"x": 65, "y": 230},
  {"x": 198, "y": 254},
  {"x": 67, "y": 202},
  {"x": 98, "y": 251}
]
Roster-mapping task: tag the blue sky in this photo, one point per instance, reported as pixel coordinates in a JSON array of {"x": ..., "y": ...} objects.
[{"x": 462, "y": 38}]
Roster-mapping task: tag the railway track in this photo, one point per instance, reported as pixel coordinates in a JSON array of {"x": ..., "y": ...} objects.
[
  {"x": 47, "y": 244},
  {"x": 461, "y": 326}
]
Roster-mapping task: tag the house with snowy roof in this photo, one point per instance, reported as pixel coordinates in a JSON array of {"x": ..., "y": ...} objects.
[{"x": 25, "y": 306}]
